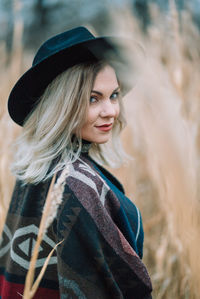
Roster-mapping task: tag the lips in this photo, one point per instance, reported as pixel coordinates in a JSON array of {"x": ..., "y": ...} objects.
[{"x": 105, "y": 127}]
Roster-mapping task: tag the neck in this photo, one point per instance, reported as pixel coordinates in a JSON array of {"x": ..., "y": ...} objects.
[{"x": 84, "y": 147}]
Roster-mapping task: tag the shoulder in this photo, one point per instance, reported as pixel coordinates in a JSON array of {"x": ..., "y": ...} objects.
[
  {"x": 83, "y": 177},
  {"x": 84, "y": 195}
]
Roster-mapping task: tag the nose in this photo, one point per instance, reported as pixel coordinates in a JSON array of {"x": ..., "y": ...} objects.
[{"x": 108, "y": 109}]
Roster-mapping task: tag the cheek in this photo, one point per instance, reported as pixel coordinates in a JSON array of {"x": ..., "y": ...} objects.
[
  {"x": 90, "y": 119},
  {"x": 117, "y": 110},
  {"x": 91, "y": 116}
]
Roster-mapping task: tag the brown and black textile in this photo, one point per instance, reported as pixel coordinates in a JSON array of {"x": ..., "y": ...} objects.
[{"x": 100, "y": 257}]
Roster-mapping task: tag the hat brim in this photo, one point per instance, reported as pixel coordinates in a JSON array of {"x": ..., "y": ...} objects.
[{"x": 32, "y": 84}]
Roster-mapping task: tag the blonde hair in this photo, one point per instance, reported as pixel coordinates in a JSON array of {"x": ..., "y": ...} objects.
[{"x": 47, "y": 142}]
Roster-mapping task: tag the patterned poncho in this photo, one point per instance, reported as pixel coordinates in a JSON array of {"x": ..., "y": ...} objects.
[{"x": 100, "y": 257}]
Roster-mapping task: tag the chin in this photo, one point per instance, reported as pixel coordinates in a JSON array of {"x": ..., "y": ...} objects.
[
  {"x": 97, "y": 139},
  {"x": 101, "y": 140}
]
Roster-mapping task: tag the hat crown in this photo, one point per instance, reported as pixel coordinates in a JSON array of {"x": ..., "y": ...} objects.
[{"x": 62, "y": 41}]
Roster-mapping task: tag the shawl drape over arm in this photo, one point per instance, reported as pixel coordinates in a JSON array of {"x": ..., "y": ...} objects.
[
  {"x": 101, "y": 229},
  {"x": 95, "y": 260}
]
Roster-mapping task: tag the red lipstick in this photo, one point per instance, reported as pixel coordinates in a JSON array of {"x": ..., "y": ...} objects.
[{"x": 105, "y": 127}]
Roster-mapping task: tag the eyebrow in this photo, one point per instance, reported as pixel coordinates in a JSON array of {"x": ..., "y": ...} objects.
[{"x": 99, "y": 93}]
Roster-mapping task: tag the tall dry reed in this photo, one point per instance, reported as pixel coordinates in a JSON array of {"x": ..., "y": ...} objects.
[
  {"x": 10, "y": 71},
  {"x": 163, "y": 177},
  {"x": 53, "y": 200}
]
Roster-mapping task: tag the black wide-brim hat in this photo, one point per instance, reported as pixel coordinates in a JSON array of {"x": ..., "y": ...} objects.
[{"x": 55, "y": 56}]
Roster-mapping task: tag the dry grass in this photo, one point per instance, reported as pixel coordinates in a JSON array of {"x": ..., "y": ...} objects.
[
  {"x": 54, "y": 198},
  {"x": 10, "y": 71},
  {"x": 163, "y": 136}
]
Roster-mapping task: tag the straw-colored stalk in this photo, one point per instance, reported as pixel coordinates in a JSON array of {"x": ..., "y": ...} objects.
[
  {"x": 7, "y": 126},
  {"x": 28, "y": 291},
  {"x": 53, "y": 200}
]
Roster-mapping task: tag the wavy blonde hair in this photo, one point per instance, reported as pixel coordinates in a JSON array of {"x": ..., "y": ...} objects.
[{"x": 49, "y": 131}]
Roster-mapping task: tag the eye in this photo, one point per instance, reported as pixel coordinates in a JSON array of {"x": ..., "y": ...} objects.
[
  {"x": 115, "y": 95},
  {"x": 93, "y": 99}
]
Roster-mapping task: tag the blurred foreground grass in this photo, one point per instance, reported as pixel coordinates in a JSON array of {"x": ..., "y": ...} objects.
[{"x": 162, "y": 136}]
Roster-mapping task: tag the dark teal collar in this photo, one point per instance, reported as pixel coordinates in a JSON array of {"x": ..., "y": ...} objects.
[{"x": 85, "y": 146}]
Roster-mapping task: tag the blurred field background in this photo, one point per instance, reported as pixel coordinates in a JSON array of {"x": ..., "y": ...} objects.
[{"x": 162, "y": 136}]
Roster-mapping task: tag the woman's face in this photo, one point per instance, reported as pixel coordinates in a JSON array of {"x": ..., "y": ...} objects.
[{"x": 103, "y": 107}]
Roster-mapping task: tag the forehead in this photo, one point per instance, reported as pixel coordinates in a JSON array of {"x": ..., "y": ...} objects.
[{"x": 106, "y": 78}]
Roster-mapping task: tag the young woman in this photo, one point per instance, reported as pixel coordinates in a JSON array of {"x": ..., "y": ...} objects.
[{"x": 70, "y": 106}]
